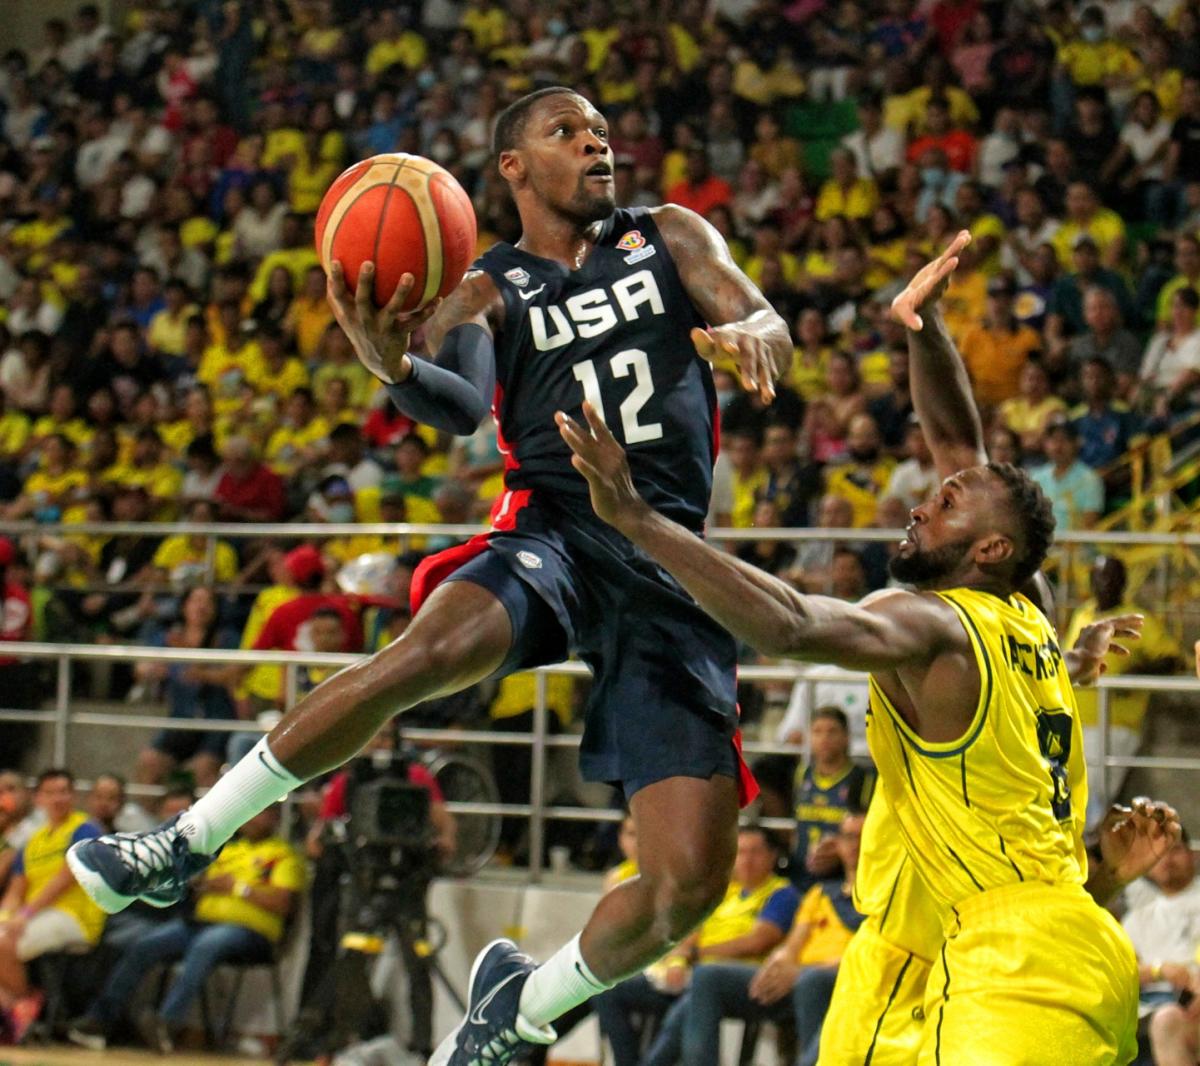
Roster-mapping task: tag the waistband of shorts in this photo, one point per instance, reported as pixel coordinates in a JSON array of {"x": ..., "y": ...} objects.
[{"x": 1009, "y": 899}]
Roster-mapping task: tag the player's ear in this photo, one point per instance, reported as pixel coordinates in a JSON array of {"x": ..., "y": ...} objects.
[
  {"x": 512, "y": 166},
  {"x": 993, "y": 549}
]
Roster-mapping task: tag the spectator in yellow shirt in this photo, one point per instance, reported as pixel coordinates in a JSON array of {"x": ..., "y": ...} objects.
[
  {"x": 1187, "y": 262},
  {"x": 987, "y": 231},
  {"x": 845, "y": 192},
  {"x": 862, "y": 478},
  {"x": 275, "y": 372},
  {"x": 395, "y": 43},
  {"x": 309, "y": 176},
  {"x": 1093, "y": 58},
  {"x": 749, "y": 476},
  {"x": 310, "y": 315},
  {"x": 1155, "y": 653},
  {"x": 168, "y": 327},
  {"x": 1085, "y": 217},
  {"x": 55, "y": 485},
  {"x": 1028, "y": 414},
  {"x": 148, "y": 468},
  {"x": 296, "y": 252},
  {"x": 43, "y": 909},
  {"x": 996, "y": 349},
  {"x": 488, "y": 24},
  {"x": 184, "y": 557},
  {"x": 300, "y": 442},
  {"x": 795, "y": 983},
  {"x": 61, "y": 419},
  {"x": 243, "y": 901},
  {"x": 336, "y": 359}
]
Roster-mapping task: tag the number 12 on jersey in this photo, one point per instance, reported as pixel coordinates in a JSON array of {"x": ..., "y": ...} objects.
[{"x": 635, "y": 360}]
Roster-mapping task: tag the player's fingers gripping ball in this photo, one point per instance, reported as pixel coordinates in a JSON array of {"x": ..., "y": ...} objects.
[{"x": 405, "y": 215}]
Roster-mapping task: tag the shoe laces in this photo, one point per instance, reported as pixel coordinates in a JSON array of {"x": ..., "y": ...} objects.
[{"x": 148, "y": 855}]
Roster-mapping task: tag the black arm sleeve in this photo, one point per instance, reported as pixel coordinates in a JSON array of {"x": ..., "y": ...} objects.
[{"x": 455, "y": 393}]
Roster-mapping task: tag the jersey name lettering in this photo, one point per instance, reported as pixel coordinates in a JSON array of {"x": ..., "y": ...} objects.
[
  {"x": 1039, "y": 662},
  {"x": 588, "y": 314}
]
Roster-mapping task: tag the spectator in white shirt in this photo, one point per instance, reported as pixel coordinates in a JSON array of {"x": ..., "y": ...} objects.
[
  {"x": 1137, "y": 163},
  {"x": 877, "y": 148},
  {"x": 1162, "y": 919},
  {"x": 1034, "y": 228},
  {"x": 99, "y": 152},
  {"x": 1000, "y": 146},
  {"x": 81, "y": 49},
  {"x": 1171, "y": 365},
  {"x": 915, "y": 479}
]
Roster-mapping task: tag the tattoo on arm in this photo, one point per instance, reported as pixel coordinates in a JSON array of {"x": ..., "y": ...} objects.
[{"x": 717, "y": 286}]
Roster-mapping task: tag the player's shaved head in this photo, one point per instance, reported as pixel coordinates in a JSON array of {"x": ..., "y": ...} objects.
[{"x": 510, "y": 126}]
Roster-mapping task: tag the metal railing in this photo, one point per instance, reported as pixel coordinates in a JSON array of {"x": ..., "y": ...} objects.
[
  {"x": 63, "y": 716},
  {"x": 1176, "y": 566}
]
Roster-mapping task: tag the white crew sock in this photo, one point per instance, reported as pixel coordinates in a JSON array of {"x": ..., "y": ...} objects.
[
  {"x": 251, "y": 785},
  {"x": 561, "y": 982}
]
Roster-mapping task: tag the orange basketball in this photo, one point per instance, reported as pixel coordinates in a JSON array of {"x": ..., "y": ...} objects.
[{"x": 408, "y": 216}]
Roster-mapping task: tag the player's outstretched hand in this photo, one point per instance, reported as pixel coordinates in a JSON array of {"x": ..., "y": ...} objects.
[
  {"x": 928, "y": 284},
  {"x": 1095, "y": 641},
  {"x": 381, "y": 338},
  {"x": 1134, "y": 838},
  {"x": 600, "y": 459},
  {"x": 751, "y": 354}
]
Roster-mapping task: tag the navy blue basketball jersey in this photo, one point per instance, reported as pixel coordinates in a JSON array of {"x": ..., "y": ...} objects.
[{"x": 614, "y": 332}]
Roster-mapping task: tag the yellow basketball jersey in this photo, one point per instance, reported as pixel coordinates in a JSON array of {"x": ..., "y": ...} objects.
[
  {"x": 1006, "y": 803},
  {"x": 889, "y": 891}
]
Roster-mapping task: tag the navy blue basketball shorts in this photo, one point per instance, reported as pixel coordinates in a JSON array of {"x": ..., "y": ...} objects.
[{"x": 664, "y": 695}]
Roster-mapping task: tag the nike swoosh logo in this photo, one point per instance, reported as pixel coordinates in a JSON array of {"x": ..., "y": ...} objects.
[
  {"x": 478, "y": 1014},
  {"x": 529, "y": 295},
  {"x": 269, "y": 768}
]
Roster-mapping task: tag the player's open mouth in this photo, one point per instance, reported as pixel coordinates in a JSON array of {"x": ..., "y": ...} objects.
[
  {"x": 910, "y": 540},
  {"x": 601, "y": 172}
]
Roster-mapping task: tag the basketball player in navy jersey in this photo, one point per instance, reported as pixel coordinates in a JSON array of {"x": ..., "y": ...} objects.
[{"x": 621, "y": 308}]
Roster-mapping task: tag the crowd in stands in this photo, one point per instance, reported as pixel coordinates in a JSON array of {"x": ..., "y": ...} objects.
[{"x": 167, "y": 354}]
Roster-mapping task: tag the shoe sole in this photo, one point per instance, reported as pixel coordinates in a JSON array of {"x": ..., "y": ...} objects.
[
  {"x": 446, "y": 1049},
  {"x": 92, "y": 1043},
  {"x": 93, "y": 883}
]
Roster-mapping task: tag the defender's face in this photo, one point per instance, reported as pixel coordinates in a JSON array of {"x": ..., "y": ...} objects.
[
  {"x": 565, "y": 158},
  {"x": 943, "y": 531}
]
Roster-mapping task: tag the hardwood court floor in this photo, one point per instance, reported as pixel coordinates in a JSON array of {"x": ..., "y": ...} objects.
[{"x": 65, "y": 1055}]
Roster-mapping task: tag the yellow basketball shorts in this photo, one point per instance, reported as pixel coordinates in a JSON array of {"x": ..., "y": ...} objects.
[
  {"x": 877, "y": 1011},
  {"x": 1035, "y": 975}
]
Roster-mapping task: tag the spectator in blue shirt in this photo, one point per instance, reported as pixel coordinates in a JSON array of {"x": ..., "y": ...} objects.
[
  {"x": 1074, "y": 489},
  {"x": 1106, "y": 427}
]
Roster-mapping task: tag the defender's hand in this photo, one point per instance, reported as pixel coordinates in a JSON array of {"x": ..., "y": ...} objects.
[
  {"x": 1096, "y": 641},
  {"x": 381, "y": 339},
  {"x": 928, "y": 284},
  {"x": 1133, "y": 839},
  {"x": 749, "y": 352},
  {"x": 600, "y": 459}
]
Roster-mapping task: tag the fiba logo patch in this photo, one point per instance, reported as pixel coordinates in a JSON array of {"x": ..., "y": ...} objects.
[
  {"x": 635, "y": 244},
  {"x": 529, "y": 560},
  {"x": 518, "y": 277}
]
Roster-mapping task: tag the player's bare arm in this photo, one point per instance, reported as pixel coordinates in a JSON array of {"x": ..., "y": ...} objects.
[
  {"x": 743, "y": 326},
  {"x": 941, "y": 389},
  {"x": 886, "y": 631}
]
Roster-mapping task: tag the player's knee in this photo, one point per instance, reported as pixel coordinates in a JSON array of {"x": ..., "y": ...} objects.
[{"x": 685, "y": 897}]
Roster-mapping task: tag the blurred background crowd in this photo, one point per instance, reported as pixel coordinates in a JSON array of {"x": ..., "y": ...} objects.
[{"x": 167, "y": 353}]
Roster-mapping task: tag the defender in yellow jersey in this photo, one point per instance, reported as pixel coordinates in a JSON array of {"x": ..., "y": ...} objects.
[
  {"x": 973, "y": 727},
  {"x": 878, "y": 1004}
]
